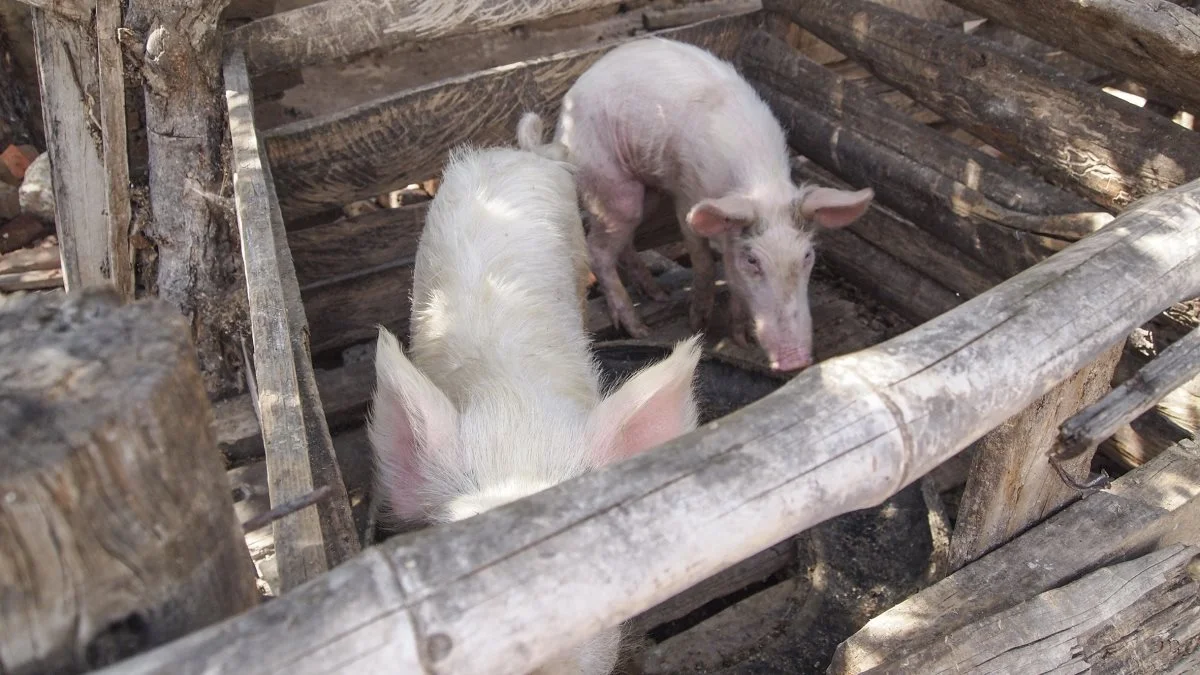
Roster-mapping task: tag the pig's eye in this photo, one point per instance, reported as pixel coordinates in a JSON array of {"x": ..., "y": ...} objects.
[
  {"x": 753, "y": 263},
  {"x": 808, "y": 257}
]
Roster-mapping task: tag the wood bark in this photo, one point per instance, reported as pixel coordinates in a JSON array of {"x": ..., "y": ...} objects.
[
  {"x": 327, "y": 162},
  {"x": 1012, "y": 486},
  {"x": 986, "y": 209},
  {"x": 335, "y": 29},
  {"x": 117, "y": 532},
  {"x": 503, "y": 592},
  {"x": 1155, "y": 42},
  {"x": 66, "y": 56},
  {"x": 1175, "y": 367},
  {"x": 1133, "y": 617},
  {"x": 1154, "y": 506},
  {"x": 299, "y": 451},
  {"x": 1113, "y": 151},
  {"x": 192, "y": 226}
]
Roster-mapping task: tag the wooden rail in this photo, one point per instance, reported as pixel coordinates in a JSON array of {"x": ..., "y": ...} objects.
[{"x": 502, "y": 592}]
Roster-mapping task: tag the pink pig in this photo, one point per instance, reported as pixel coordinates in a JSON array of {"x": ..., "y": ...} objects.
[{"x": 671, "y": 116}]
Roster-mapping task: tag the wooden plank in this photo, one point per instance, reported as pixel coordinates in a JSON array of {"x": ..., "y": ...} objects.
[
  {"x": 1113, "y": 151},
  {"x": 30, "y": 281},
  {"x": 1178, "y": 364},
  {"x": 299, "y": 541},
  {"x": 1152, "y": 41},
  {"x": 77, "y": 10},
  {"x": 114, "y": 506},
  {"x": 335, "y": 29},
  {"x": 113, "y": 132},
  {"x": 67, "y": 75},
  {"x": 29, "y": 260},
  {"x": 1133, "y": 617},
  {"x": 1012, "y": 486},
  {"x": 504, "y": 592},
  {"x": 1151, "y": 507},
  {"x": 334, "y": 160}
]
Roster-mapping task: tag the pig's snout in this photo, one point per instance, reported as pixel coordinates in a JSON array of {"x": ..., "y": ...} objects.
[{"x": 790, "y": 359}]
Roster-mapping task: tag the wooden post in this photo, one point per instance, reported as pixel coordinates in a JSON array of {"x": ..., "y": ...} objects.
[
  {"x": 1113, "y": 151},
  {"x": 117, "y": 531},
  {"x": 1012, "y": 485},
  {"x": 192, "y": 226}
]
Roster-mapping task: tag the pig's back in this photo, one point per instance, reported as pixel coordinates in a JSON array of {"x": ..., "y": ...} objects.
[
  {"x": 495, "y": 281},
  {"x": 665, "y": 111}
]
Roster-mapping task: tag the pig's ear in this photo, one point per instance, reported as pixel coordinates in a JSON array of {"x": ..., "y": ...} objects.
[
  {"x": 650, "y": 408},
  {"x": 411, "y": 423},
  {"x": 712, "y": 217},
  {"x": 832, "y": 208}
]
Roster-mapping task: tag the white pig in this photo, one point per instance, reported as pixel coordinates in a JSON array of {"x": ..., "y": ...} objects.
[
  {"x": 667, "y": 115},
  {"x": 502, "y": 396}
]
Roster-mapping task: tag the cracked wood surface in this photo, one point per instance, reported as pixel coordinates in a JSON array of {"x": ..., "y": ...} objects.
[
  {"x": 1113, "y": 151},
  {"x": 503, "y": 592}
]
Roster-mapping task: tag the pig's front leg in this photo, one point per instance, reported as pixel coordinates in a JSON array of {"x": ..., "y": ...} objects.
[
  {"x": 640, "y": 274},
  {"x": 739, "y": 319},
  {"x": 616, "y": 208},
  {"x": 704, "y": 282}
]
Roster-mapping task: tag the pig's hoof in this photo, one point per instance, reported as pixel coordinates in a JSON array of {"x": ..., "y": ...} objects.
[
  {"x": 652, "y": 290},
  {"x": 740, "y": 339},
  {"x": 698, "y": 320},
  {"x": 637, "y": 330}
]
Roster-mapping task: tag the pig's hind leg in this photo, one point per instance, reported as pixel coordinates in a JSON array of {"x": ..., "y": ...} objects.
[
  {"x": 615, "y": 205},
  {"x": 640, "y": 274},
  {"x": 704, "y": 281}
]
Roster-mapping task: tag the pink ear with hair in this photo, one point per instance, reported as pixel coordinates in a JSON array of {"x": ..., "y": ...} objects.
[
  {"x": 712, "y": 217},
  {"x": 411, "y": 423},
  {"x": 832, "y": 208},
  {"x": 654, "y": 406}
]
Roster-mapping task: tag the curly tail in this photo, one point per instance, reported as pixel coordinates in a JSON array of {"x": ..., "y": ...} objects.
[{"x": 531, "y": 131}]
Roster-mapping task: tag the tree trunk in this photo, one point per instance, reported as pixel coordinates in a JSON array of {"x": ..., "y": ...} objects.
[
  {"x": 192, "y": 227},
  {"x": 117, "y": 529}
]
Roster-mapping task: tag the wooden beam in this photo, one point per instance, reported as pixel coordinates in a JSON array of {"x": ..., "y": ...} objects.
[
  {"x": 1177, "y": 365},
  {"x": 1012, "y": 486},
  {"x": 1151, "y": 507},
  {"x": 1113, "y": 151},
  {"x": 118, "y": 528},
  {"x": 1152, "y": 41},
  {"x": 328, "y": 31},
  {"x": 113, "y": 132},
  {"x": 504, "y": 592},
  {"x": 1137, "y": 616},
  {"x": 299, "y": 541},
  {"x": 70, "y": 90},
  {"x": 76, "y": 10},
  {"x": 334, "y": 160}
]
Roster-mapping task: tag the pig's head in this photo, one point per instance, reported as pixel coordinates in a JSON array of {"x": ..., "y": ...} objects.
[
  {"x": 442, "y": 464},
  {"x": 767, "y": 244}
]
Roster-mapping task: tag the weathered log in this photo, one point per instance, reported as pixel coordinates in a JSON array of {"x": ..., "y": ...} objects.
[
  {"x": 114, "y": 145},
  {"x": 30, "y": 260},
  {"x": 31, "y": 280},
  {"x": 1153, "y": 41},
  {"x": 1178, "y": 364},
  {"x": 118, "y": 533},
  {"x": 336, "y": 29},
  {"x": 77, "y": 10},
  {"x": 66, "y": 55},
  {"x": 503, "y": 592},
  {"x": 916, "y": 190},
  {"x": 415, "y": 64},
  {"x": 1114, "y": 151},
  {"x": 1012, "y": 486},
  {"x": 909, "y": 244},
  {"x": 1151, "y": 507},
  {"x": 197, "y": 265},
  {"x": 334, "y": 160},
  {"x": 1137, "y": 616},
  {"x": 299, "y": 451}
]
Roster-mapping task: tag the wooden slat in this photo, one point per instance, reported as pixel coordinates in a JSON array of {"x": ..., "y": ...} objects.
[
  {"x": 503, "y": 592},
  {"x": 1155, "y": 42},
  {"x": 334, "y": 160},
  {"x": 1153, "y": 506},
  {"x": 299, "y": 543},
  {"x": 29, "y": 260},
  {"x": 1113, "y": 151},
  {"x": 335, "y": 29},
  {"x": 113, "y": 131},
  {"x": 1178, "y": 364},
  {"x": 66, "y": 52},
  {"x": 78, "y": 10}
]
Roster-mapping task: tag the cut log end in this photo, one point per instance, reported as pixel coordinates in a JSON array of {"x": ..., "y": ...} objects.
[{"x": 119, "y": 530}]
